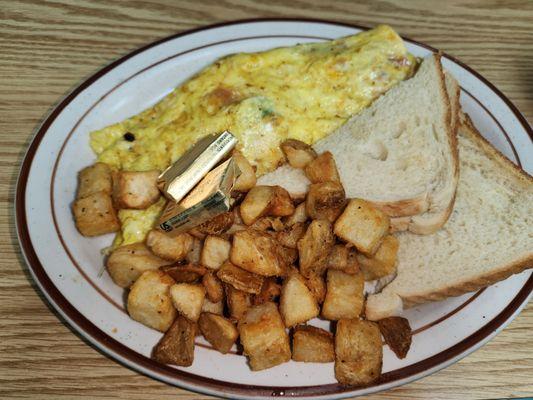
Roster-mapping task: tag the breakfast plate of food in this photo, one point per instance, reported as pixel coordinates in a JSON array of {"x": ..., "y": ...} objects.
[{"x": 282, "y": 208}]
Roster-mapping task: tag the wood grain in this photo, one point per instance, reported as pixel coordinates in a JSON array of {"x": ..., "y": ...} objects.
[{"x": 48, "y": 47}]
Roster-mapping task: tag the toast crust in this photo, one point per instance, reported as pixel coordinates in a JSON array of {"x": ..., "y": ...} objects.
[
  {"x": 426, "y": 226},
  {"x": 504, "y": 162},
  {"x": 515, "y": 267},
  {"x": 403, "y": 208},
  {"x": 399, "y": 224}
]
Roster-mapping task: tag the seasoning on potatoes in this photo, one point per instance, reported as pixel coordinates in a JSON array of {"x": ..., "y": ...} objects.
[
  {"x": 263, "y": 337},
  {"x": 312, "y": 344},
  {"x": 314, "y": 247},
  {"x": 170, "y": 248},
  {"x": 325, "y": 200},
  {"x": 188, "y": 298},
  {"x": 256, "y": 252},
  {"x": 397, "y": 334},
  {"x": 358, "y": 352},
  {"x": 362, "y": 225},
  {"x": 177, "y": 346},
  {"x": 297, "y": 304},
  {"x": 149, "y": 300},
  {"x": 344, "y": 295},
  {"x": 127, "y": 263},
  {"x": 239, "y": 278},
  {"x": 298, "y": 153},
  {"x": 218, "y": 331},
  {"x": 323, "y": 169}
]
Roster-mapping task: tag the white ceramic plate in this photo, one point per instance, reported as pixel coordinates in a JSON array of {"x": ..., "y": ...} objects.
[{"x": 66, "y": 265}]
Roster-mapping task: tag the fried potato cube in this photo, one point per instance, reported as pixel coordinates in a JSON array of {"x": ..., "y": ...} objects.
[
  {"x": 277, "y": 224},
  {"x": 247, "y": 178},
  {"x": 289, "y": 256},
  {"x": 263, "y": 224},
  {"x": 215, "y": 252},
  {"x": 238, "y": 302},
  {"x": 263, "y": 337},
  {"x": 240, "y": 279},
  {"x": 268, "y": 224},
  {"x": 343, "y": 259},
  {"x": 213, "y": 307},
  {"x": 397, "y": 334},
  {"x": 94, "y": 215},
  {"x": 383, "y": 263},
  {"x": 314, "y": 247},
  {"x": 237, "y": 219},
  {"x": 256, "y": 203},
  {"x": 322, "y": 169},
  {"x": 317, "y": 286},
  {"x": 217, "y": 225},
  {"x": 297, "y": 304},
  {"x": 311, "y": 344},
  {"x": 177, "y": 346},
  {"x": 193, "y": 256},
  {"x": 235, "y": 228},
  {"x": 237, "y": 197},
  {"x": 93, "y": 179},
  {"x": 188, "y": 299},
  {"x": 265, "y": 200},
  {"x": 218, "y": 331},
  {"x": 362, "y": 225},
  {"x": 270, "y": 291},
  {"x": 214, "y": 289},
  {"x": 352, "y": 266},
  {"x": 325, "y": 200},
  {"x": 299, "y": 215},
  {"x": 358, "y": 352},
  {"x": 256, "y": 252},
  {"x": 173, "y": 248},
  {"x": 338, "y": 257},
  {"x": 149, "y": 300},
  {"x": 289, "y": 237},
  {"x": 298, "y": 153},
  {"x": 281, "y": 204},
  {"x": 185, "y": 273},
  {"x": 127, "y": 263},
  {"x": 344, "y": 295},
  {"x": 195, "y": 233},
  {"x": 136, "y": 190}
]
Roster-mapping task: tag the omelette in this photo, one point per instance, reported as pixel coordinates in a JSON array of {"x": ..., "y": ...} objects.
[{"x": 301, "y": 92}]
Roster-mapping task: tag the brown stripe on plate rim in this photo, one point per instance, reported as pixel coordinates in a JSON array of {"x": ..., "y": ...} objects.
[{"x": 192, "y": 381}]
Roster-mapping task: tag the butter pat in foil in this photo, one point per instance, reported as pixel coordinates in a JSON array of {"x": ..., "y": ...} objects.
[
  {"x": 211, "y": 197},
  {"x": 178, "y": 179}
]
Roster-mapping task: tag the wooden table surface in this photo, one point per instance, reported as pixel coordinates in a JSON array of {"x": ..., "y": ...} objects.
[{"x": 48, "y": 47}]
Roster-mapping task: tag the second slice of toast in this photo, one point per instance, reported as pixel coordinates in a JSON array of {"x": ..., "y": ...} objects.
[{"x": 488, "y": 237}]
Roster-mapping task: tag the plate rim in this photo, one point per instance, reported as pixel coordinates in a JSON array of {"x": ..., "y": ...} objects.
[{"x": 133, "y": 360}]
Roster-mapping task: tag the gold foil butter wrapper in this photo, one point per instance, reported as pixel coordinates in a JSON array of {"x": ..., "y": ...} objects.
[
  {"x": 211, "y": 197},
  {"x": 178, "y": 179}
]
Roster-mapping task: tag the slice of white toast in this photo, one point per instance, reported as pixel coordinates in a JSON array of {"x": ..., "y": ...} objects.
[
  {"x": 400, "y": 153},
  {"x": 488, "y": 237},
  {"x": 443, "y": 199}
]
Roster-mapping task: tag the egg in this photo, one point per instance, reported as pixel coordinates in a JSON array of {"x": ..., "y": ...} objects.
[
  {"x": 302, "y": 92},
  {"x": 135, "y": 224}
]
